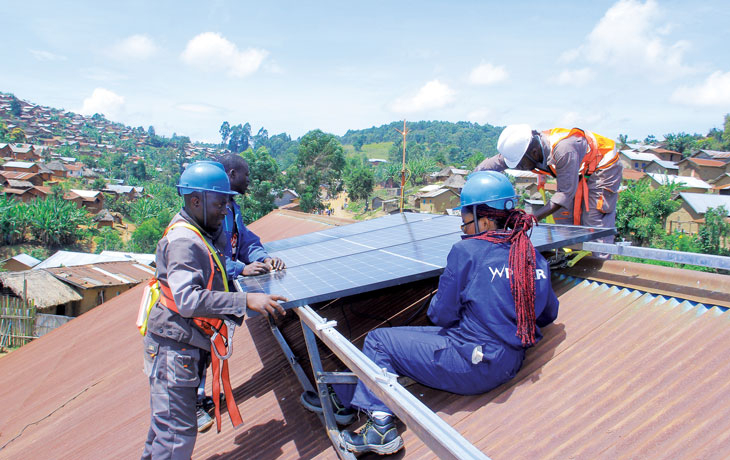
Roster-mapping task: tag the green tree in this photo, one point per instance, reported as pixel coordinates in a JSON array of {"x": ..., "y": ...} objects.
[
  {"x": 359, "y": 184},
  {"x": 225, "y": 132},
  {"x": 108, "y": 239},
  {"x": 98, "y": 184},
  {"x": 265, "y": 180},
  {"x": 642, "y": 211},
  {"x": 714, "y": 233},
  {"x": 420, "y": 168},
  {"x": 54, "y": 221},
  {"x": 320, "y": 161},
  {"x": 15, "y": 107},
  {"x": 14, "y": 221},
  {"x": 145, "y": 237},
  {"x": 17, "y": 135}
]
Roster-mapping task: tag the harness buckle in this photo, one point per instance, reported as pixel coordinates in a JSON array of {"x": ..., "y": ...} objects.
[{"x": 227, "y": 341}]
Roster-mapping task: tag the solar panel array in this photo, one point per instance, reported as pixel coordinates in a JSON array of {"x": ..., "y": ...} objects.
[{"x": 378, "y": 253}]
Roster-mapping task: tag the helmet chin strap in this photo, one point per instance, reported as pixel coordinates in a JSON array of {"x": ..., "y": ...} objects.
[
  {"x": 205, "y": 211},
  {"x": 476, "y": 219}
]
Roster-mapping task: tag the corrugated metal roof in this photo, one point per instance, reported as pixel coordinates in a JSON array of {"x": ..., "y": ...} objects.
[
  {"x": 70, "y": 259},
  {"x": 705, "y": 162},
  {"x": 282, "y": 223},
  {"x": 103, "y": 274},
  {"x": 700, "y": 202},
  {"x": 684, "y": 180},
  {"x": 639, "y": 156},
  {"x": 621, "y": 374}
]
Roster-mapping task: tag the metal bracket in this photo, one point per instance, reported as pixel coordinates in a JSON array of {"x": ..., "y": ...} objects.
[{"x": 325, "y": 325}]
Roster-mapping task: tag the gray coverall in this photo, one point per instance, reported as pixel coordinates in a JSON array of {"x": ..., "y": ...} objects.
[
  {"x": 603, "y": 184},
  {"x": 173, "y": 343}
]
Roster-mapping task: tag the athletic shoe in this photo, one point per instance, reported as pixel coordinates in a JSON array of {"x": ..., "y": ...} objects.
[
  {"x": 204, "y": 420},
  {"x": 343, "y": 415},
  {"x": 378, "y": 435}
]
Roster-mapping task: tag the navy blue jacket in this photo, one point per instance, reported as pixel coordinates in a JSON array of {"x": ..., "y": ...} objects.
[
  {"x": 248, "y": 248},
  {"x": 474, "y": 302}
]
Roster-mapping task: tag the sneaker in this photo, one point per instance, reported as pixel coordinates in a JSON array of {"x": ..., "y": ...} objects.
[
  {"x": 204, "y": 420},
  {"x": 208, "y": 404},
  {"x": 378, "y": 435},
  {"x": 343, "y": 415}
]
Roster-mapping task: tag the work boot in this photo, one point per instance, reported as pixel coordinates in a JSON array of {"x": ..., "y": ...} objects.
[
  {"x": 204, "y": 420},
  {"x": 379, "y": 435},
  {"x": 343, "y": 415}
]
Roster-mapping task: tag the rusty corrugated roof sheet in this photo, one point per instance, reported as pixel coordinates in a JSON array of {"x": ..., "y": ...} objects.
[
  {"x": 103, "y": 274},
  {"x": 281, "y": 223},
  {"x": 621, "y": 374}
]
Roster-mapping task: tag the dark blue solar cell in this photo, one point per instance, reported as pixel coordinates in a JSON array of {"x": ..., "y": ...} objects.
[{"x": 379, "y": 253}]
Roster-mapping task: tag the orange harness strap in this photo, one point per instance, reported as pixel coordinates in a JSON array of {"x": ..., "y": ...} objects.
[{"x": 217, "y": 330}]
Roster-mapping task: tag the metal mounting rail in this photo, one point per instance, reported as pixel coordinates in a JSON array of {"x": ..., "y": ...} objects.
[
  {"x": 439, "y": 436},
  {"x": 691, "y": 258}
]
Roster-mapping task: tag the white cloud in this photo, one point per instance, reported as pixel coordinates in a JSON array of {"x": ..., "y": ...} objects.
[
  {"x": 487, "y": 74},
  {"x": 211, "y": 52},
  {"x": 103, "y": 101},
  {"x": 432, "y": 95},
  {"x": 47, "y": 56},
  {"x": 481, "y": 115},
  {"x": 135, "y": 47},
  {"x": 632, "y": 35},
  {"x": 715, "y": 90},
  {"x": 579, "y": 77}
]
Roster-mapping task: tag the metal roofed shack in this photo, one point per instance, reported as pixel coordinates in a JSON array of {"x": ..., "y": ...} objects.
[{"x": 630, "y": 369}]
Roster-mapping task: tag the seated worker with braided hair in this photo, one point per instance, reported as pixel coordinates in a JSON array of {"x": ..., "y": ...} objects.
[{"x": 493, "y": 297}]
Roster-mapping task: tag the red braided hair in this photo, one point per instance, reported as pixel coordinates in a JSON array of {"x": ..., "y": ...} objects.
[{"x": 516, "y": 229}]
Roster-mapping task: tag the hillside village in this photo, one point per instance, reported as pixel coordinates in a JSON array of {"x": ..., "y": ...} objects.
[{"x": 62, "y": 154}]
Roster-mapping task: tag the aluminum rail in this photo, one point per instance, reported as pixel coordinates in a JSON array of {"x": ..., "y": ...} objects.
[
  {"x": 439, "y": 436},
  {"x": 691, "y": 258}
]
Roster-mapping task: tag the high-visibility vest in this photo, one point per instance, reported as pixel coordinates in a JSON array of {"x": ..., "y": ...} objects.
[
  {"x": 216, "y": 329},
  {"x": 601, "y": 154}
]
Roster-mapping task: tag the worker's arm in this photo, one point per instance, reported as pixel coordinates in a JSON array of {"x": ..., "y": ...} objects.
[
  {"x": 547, "y": 210},
  {"x": 446, "y": 307},
  {"x": 495, "y": 163}
]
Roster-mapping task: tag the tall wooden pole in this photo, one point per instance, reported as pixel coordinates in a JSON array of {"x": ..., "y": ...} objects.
[{"x": 403, "y": 168}]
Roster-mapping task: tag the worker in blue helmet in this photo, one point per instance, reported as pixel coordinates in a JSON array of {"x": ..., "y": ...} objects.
[
  {"x": 193, "y": 284},
  {"x": 480, "y": 331}
]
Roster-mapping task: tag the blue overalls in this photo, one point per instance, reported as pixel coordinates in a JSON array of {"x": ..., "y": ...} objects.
[
  {"x": 473, "y": 307},
  {"x": 248, "y": 247}
]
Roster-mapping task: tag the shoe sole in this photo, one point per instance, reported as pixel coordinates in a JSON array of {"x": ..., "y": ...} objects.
[
  {"x": 340, "y": 419},
  {"x": 205, "y": 427},
  {"x": 381, "y": 449}
]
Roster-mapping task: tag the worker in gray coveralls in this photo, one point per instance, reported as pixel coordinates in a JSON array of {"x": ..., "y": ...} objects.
[
  {"x": 172, "y": 344},
  {"x": 585, "y": 165}
]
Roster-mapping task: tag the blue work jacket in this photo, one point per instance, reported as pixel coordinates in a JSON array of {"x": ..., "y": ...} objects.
[
  {"x": 248, "y": 249},
  {"x": 474, "y": 302}
]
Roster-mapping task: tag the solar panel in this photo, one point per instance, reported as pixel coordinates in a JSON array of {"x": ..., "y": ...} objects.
[{"x": 379, "y": 253}]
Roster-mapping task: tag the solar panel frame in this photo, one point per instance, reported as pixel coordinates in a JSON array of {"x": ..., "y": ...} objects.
[{"x": 322, "y": 273}]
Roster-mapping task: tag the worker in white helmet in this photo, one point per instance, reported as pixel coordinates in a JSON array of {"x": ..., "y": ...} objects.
[{"x": 584, "y": 164}]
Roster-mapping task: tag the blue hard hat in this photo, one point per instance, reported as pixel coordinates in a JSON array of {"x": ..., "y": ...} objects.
[
  {"x": 488, "y": 187},
  {"x": 205, "y": 176}
]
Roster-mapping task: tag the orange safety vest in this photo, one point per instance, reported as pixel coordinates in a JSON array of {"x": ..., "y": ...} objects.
[
  {"x": 221, "y": 345},
  {"x": 601, "y": 154}
]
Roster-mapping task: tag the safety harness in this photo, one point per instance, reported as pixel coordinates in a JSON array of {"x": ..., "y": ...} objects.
[
  {"x": 601, "y": 154},
  {"x": 219, "y": 331}
]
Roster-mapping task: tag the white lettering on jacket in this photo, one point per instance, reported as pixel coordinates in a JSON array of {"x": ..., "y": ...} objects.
[{"x": 506, "y": 272}]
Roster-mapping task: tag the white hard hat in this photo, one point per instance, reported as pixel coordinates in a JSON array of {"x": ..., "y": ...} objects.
[{"x": 513, "y": 143}]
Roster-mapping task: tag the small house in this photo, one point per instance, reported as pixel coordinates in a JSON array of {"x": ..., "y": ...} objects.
[
  {"x": 691, "y": 215},
  {"x": 438, "y": 201},
  {"x": 702, "y": 168},
  {"x": 689, "y": 184},
  {"x": 20, "y": 262}
]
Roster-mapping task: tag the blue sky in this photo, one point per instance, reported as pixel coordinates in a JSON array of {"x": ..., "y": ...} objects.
[{"x": 614, "y": 67}]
